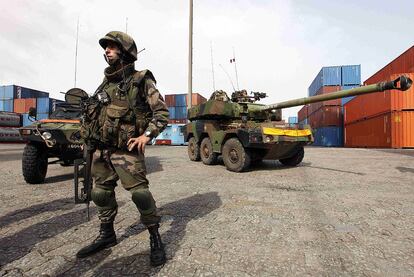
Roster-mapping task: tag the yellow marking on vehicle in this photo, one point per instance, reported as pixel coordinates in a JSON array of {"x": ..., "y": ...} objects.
[
  {"x": 59, "y": 121},
  {"x": 286, "y": 132}
]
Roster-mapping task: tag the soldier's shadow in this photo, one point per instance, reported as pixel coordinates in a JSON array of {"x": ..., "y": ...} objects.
[{"x": 179, "y": 214}]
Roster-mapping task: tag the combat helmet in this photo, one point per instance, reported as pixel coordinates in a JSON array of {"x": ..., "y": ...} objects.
[{"x": 125, "y": 43}]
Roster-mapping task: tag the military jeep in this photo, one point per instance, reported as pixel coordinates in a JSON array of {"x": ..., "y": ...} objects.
[{"x": 50, "y": 141}]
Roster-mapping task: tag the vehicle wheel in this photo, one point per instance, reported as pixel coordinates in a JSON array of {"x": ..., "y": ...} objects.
[
  {"x": 34, "y": 163},
  {"x": 206, "y": 152},
  {"x": 193, "y": 150},
  {"x": 295, "y": 159},
  {"x": 235, "y": 157}
]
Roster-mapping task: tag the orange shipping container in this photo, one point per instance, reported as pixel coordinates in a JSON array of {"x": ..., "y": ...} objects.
[
  {"x": 170, "y": 100},
  {"x": 325, "y": 90},
  {"x": 403, "y": 63},
  {"x": 23, "y": 105},
  {"x": 369, "y": 105},
  {"x": 388, "y": 130},
  {"x": 303, "y": 113},
  {"x": 326, "y": 116},
  {"x": 196, "y": 99}
]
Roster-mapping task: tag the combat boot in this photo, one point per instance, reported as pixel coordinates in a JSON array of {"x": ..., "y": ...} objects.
[
  {"x": 157, "y": 255},
  {"x": 106, "y": 239}
]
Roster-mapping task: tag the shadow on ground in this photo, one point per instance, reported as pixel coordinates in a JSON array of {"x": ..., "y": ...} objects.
[
  {"x": 332, "y": 169},
  {"x": 405, "y": 169},
  {"x": 59, "y": 178},
  {"x": 8, "y": 157},
  {"x": 178, "y": 213},
  {"x": 153, "y": 164}
]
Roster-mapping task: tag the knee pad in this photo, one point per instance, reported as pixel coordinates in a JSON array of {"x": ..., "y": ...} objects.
[
  {"x": 142, "y": 198},
  {"x": 103, "y": 198}
]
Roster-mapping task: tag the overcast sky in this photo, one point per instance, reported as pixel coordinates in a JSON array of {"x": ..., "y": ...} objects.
[{"x": 280, "y": 45}]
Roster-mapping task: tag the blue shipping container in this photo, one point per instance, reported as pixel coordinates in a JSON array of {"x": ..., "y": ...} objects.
[
  {"x": 42, "y": 105},
  {"x": 22, "y": 92},
  {"x": 180, "y": 100},
  {"x": 328, "y": 136},
  {"x": 293, "y": 120},
  {"x": 328, "y": 76},
  {"x": 351, "y": 75},
  {"x": 7, "y": 92},
  {"x": 174, "y": 133},
  {"x": 180, "y": 113},
  {"x": 26, "y": 120},
  {"x": 347, "y": 99},
  {"x": 172, "y": 112},
  {"x": 305, "y": 121},
  {"x": 40, "y": 116},
  {"x": 6, "y": 105}
]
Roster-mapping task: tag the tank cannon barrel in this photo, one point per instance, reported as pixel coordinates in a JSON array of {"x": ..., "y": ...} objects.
[{"x": 401, "y": 83}]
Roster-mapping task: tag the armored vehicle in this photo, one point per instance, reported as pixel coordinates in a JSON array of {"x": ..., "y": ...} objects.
[
  {"x": 242, "y": 131},
  {"x": 53, "y": 140}
]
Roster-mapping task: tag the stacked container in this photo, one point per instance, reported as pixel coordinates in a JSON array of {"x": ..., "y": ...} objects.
[
  {"x": 326, "y": 118},
  {"x": 177, "y": 106},
  {"x": 9, "y": 124},
  {"x": 172, "y": 135},
  {"x": 383, "y": 119}
]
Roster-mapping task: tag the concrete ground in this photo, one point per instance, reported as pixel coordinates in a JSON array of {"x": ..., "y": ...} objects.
[{"x": 342, "y": 212}]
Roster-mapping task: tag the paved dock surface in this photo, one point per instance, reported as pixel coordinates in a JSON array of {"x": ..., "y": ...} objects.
[{"x": 342, "y": 212}]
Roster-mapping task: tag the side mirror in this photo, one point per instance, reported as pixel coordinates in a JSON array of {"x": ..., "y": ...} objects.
[{"x": 32, "y": 112}]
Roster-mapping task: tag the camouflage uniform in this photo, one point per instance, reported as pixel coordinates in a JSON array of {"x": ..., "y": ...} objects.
[
  {"x": 134, "y": 107},
  {"x": 115, "y": 161}
]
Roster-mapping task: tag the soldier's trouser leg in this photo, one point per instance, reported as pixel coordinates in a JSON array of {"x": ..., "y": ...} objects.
[
  {"x": 130, "y": 167},
  {"x": 103, "y": 193}
]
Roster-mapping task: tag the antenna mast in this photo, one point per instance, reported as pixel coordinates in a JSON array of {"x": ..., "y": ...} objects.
[
  {"x": 228, "y": 76},
  {"x": 126, "y": 25},
  {"x": 212, "y": 65},
  {"x": 76, "y": 50},
  {"x": 235, "y": 69}
]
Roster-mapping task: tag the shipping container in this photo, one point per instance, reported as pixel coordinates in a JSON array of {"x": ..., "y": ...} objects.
[
  {"x": 351, "y": 75},
  {"x": 162, "y": 142},
  {"x": 10, "y": 119},
  {"x": 326, "y": 116},
  {"x": 40, "y": 116},
  {"x": 23, "y": 105},
  {"x": 403, "y": 63},
  {"x": 325, "y": 90},
  {"x": 6, "y": 105},
  {"x": 292, "y": 120},
  {"x": 7, "y": 92},
  {"x": 22, "y": 92},
  {"x": 170, "y": 100},
  {"x": 369, "y": 105},
  {"x": 171, "y": 110},
  {"x": 303, "y": 113},
  {"x": 197, "y": 99},
  {"x": 328, "y": 76},
  {"x": 53, "y": 103},
  {"x": 328, "y": 136},
  {"x": 10, "y": 135},
  {"x": 388, "y": 130},
  {"x": 347, "y": 99},
  {"x": 172, "y": 133},
  {"x": 177, "y": 121},
  {"x": 42, "y": 105},
  {"x": 180, "y": 100},
  {"x": 26, "y": 120},
  {"x": 180, "y": 113},
  {"x": 304, "y": 122}
]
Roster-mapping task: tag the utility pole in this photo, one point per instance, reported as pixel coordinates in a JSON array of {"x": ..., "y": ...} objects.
[
  {"x": 190, "y": 57},
  {"x": 76, "y": 50},
  {"x": 126, "y": 25}
]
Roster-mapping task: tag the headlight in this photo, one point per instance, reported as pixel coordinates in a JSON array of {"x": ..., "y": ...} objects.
[
  {"x": 268, "y": 139},
  {"x": 47, "y": 135}
]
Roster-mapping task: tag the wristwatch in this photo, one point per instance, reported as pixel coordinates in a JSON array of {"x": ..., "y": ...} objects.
[{"x": 147, "y": 133}]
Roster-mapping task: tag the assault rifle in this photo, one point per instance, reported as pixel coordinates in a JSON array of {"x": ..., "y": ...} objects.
[{"x": 83, "y": 176}]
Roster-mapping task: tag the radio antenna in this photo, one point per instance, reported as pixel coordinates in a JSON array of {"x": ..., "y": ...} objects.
[
  {"x": 212, "y": 65},
  {"x": 76, "y": 50},
  {"x": 235, "y": 68},
  {"x": 228, "y": 76}
]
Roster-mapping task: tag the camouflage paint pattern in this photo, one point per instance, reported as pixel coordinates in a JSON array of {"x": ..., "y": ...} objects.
[{"x": 126, "y": 43}]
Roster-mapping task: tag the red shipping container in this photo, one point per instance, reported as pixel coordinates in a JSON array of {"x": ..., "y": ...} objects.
[
  {"x": 403, "y": 63},
  {"x": 23, "y": 105},
  {"x": 326, "y": 116},
  {"x": 369, "y": 105},
  {"x": 177, "y": 121},
  {"x": 303, "y": 113},
  {"x": 388, "y": 130},
  {"x": 325, "y": 90},
  {"x": 170, "y": 100},
  {"x": 162, "y": 142}
]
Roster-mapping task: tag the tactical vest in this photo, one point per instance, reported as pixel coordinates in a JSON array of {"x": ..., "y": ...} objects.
[{"x": 127, "y": 114}]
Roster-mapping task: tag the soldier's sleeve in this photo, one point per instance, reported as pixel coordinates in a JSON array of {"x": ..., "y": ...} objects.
[{"x": 158, "y": 107}]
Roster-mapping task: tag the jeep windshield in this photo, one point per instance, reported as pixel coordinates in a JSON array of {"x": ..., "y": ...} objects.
[{"x": 66, "y": 112}]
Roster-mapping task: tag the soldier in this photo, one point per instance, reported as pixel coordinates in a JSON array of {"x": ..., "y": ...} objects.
[{"x": 134, "y": 113}]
